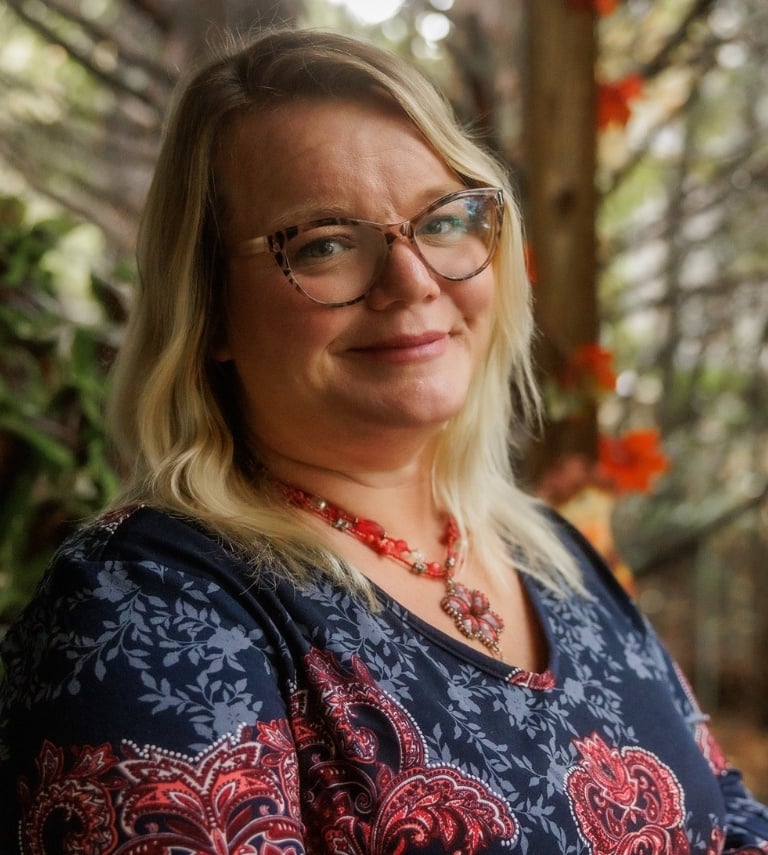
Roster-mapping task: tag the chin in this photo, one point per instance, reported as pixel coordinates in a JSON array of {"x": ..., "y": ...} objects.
[{"x": 423, "y": 413}]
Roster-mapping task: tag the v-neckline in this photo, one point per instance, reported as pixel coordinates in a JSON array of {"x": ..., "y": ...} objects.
[{"x": 499, "y": 669}]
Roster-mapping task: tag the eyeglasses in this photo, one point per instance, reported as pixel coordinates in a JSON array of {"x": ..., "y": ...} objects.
[{"x": 335, "y": 261}]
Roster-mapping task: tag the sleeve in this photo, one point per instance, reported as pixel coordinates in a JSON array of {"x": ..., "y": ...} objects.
[
  {"x": 746, "y": 819},
  {"x": 142, "y": 711}
]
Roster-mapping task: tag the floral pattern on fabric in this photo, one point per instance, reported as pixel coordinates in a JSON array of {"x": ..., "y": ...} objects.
[
  {"x": 366, "y": 805},
  {"x": 627, "y": 801},
  {"x": 239, "y": 797},
  {"x": 163, "y": 696}
]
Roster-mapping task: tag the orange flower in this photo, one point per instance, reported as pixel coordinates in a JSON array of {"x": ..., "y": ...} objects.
[
  {"x": 589, "y": 366},
  {"x": 602, "y": 7},
  {"x": 613, "y": 100},
  {"x": 632, "y": 461},
  {"x": 605, "y": 7}
]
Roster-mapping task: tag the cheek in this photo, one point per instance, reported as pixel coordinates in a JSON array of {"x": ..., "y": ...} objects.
[
  {"x": 270, "y": 327},
  {"x": 253, "y": 313},
  {"x": 479, "y": 310},
  {"x": 476, "y": 300}
]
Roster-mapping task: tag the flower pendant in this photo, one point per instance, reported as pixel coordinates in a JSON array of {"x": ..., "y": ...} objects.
[{"x": 472, "y": 614}]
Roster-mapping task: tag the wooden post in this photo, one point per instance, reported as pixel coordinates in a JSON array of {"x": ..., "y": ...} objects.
[{"x": 561, "y": 202}]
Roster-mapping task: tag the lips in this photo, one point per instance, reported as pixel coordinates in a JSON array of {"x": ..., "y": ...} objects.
[
  {"x": 406, "y": 347},
  {"x": 400, "y": 342}
]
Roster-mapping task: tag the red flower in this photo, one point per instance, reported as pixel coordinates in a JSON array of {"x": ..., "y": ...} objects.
[
  {"x": 613, "y": 100},
  {"x": 590, "y": 365},
  {"x": 602, "y": 7},
  {"x": 632, "y": 461}
]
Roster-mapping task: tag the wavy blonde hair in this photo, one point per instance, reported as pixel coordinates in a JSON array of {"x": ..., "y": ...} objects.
[{"x": 174, "y": 411}]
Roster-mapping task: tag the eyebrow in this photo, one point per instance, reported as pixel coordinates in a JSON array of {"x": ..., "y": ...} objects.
[
  {"x": 309, "y": 213},
  {"x": 312, "y": 211}
]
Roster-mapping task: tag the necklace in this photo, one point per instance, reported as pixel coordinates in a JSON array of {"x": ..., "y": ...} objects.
[{"x": 470, "y": 609}]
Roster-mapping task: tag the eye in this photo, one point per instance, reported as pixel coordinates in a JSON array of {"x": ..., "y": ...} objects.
[
  {"x": 443, "y": 226},
  {"x": 318, "y": 247}
]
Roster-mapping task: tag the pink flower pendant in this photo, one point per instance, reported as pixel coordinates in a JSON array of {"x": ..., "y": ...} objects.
[{"x": 472, "y": 614}]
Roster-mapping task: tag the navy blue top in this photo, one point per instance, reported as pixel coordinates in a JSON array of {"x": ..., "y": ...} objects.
[{"x": 160, "y": 698}]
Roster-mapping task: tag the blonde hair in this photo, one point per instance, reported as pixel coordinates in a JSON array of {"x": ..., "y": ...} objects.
[{"x": 174, "y": 414}]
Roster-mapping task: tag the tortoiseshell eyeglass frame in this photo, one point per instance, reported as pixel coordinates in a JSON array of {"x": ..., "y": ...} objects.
[{"x": 276, "y": 241}]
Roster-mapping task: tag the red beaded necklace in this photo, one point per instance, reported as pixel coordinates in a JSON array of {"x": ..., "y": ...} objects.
[{"x": 470, "y": 609}]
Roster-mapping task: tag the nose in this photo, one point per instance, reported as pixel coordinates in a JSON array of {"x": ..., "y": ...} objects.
[{"x": 404, "y": 278}]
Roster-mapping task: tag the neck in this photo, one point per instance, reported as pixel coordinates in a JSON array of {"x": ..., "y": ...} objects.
[
  {"x": 400, "y": 498},
  {"x": 470, "y": 609}
]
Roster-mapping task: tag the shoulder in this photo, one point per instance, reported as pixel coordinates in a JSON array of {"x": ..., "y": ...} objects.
[
  {"x": 599, "y": 581},
  {"x": 148, "y": 639},
  {"x": 139, "y": 532},
  {"x": 146, "y": 545},
  {"x": 134, "y": 605},
  {"x": 123, "y": 590},
  {"x": 145, "y": 628}
]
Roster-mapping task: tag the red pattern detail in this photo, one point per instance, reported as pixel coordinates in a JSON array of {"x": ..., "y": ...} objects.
[
  {"x": 75, "y": 800},
  {"x": 365, "y": 787},
  {"x": 436, "y": 805},
  {"x": 360, "y": 802},
  {"x": 542, "y": 682},
  {"x": 710, "y": 748},
  {"x": 626, "y": 801},
  {"x": 218, "y": 801},
  {"x": 239, "y": 797}
]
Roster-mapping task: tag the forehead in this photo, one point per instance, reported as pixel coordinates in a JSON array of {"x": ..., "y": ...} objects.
[{"x": 315, "y": 157}]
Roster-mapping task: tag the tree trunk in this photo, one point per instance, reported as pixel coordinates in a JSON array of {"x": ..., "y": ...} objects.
[{"x": 560, "y": 129}]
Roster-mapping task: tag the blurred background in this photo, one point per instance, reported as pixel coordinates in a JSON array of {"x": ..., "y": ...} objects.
[{"x": 636, "y": 135}]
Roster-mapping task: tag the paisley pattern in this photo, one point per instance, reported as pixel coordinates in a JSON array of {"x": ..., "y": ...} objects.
[
  {"x": 161, "y": 699},
  {"x": 225, "y": 800},
  {"x": 626, "y": 801},
  {"x": 381, "y": 807},
  {"x": 244, "y": 794}
]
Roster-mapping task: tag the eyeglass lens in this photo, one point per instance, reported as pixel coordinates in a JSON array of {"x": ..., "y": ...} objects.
[{"x": 338, "y": 260}]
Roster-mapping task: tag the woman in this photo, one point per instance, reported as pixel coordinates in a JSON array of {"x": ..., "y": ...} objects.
[{"x": 250, "y": 653}]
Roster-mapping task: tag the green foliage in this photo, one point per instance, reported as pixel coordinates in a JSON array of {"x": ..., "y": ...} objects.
[{"x": 54, "y": 464}]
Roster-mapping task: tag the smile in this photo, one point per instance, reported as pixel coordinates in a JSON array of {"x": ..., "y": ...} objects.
[{"x": 407, "y": 348}]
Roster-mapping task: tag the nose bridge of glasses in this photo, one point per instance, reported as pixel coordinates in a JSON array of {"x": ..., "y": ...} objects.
[{"x": 404, "y": 231}]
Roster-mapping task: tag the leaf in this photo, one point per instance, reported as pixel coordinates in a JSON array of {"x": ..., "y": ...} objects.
[
  {"x": 99, "y": 670},
  {"x": 110, "y": 299},
  {"x": 54, "y": 451},
  {"x": 614, "y": 100}
]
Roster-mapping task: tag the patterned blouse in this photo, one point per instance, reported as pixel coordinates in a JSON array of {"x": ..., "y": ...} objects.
[{"x": 160, "y": 699}]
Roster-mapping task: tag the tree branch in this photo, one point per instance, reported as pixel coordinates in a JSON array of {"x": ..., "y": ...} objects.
[
  {"x": 690, "y": 542},
  {"x": 98, "y": 34},
  {"x": 115, "y": 82},
  {"x": 658, "y": 63}
]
